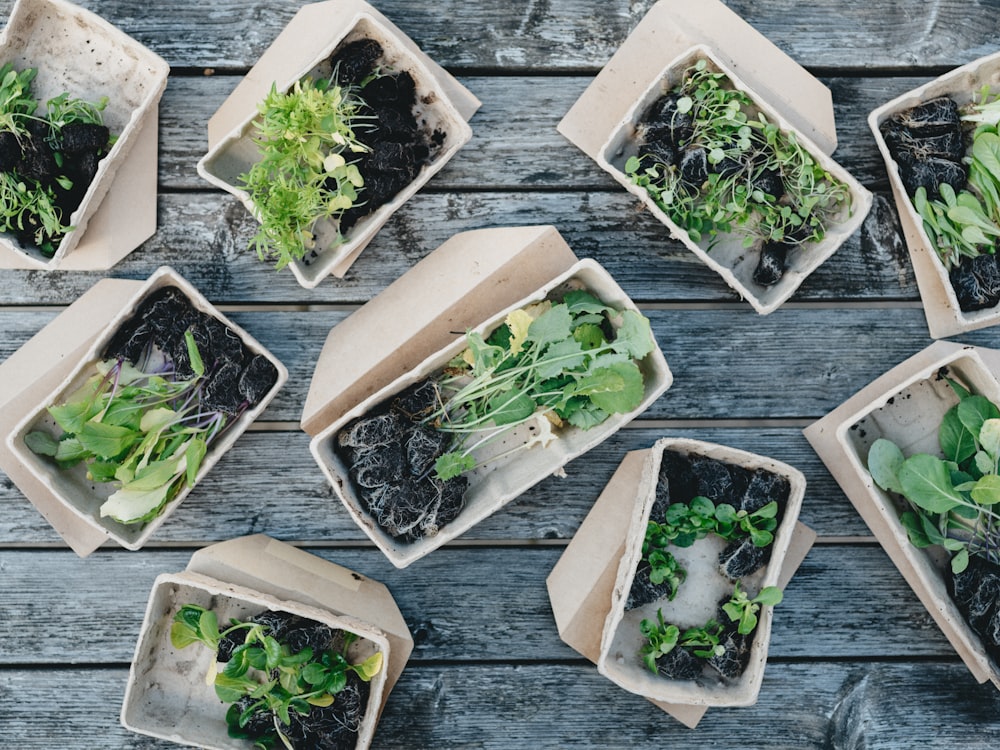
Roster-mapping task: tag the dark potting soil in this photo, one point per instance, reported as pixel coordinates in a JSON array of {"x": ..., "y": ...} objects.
[
  {"x": 40, "y": 158},
  {"x": 679, "y": 664},
  {"x": 976, "y": 282},
  {"x": 390, "y": 456},
  {"x": 976, "y": 593},
  {"x": 333, "y": 727},
  {"x": 665, "y": 138},
  {"x": 235, "y": 378},
  {"x": 399, "y": 144},
  {"x": 736, "y": 655}
]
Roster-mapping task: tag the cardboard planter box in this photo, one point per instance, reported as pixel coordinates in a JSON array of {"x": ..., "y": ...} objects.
[
  {"x": 167, "y": 695},
  {"x": 941, "y": 307},
  {"x": 673, "y": 35},
  {"x": 590, "y": 584},
  {"x": 39, "y": 377},
  {"x": 76, "y": 51},
  {"x": 906, "y": 406},
  {"x": 302, "y": 49},
  {"x": 454, "y": 303}
]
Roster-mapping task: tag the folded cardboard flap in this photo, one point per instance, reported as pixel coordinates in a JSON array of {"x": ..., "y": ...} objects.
[
  {"x": 285, "y": 572},
  {"x": 469, "y": 278},
  {"x": 580, "y": 585},
  {"x": 823, "y": 435},
  {"x": 667, "y": 30},
  {"x": 293, "y": 51},
  {"x": 34, "y": 371}
]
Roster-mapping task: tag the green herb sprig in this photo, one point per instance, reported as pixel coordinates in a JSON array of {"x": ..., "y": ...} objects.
[
  {"x": 549, "y": 364},
  {"x": 663, "y": 637},
  {"x": 137, "y": 427},
  {"x": 305, "y": 136},
  {"x": 276, "y": 680},
  {"x": 743, "y": 610},
  {"x": 952, "y": 501}
]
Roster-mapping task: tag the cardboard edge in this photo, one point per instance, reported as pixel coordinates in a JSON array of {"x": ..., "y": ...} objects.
[
  {"x": 669, "y": 27},
  {"x": 289, "y": 573},
  {"x": 580, "y": 611},
  {"x": 470, "y": 261},
  {"x": 823, "y": 436}
]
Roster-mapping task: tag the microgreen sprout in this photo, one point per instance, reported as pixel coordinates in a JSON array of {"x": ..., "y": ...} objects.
[
  {"x": 305, "y": 137},
  {"x": 952, "y": 500},
  {"x": 744, "y": 153},
  {"x": 265, "y": 676},
  {"x": 743, "y": 610},
  {"x": 548, "y": 364},
  {"x": 662, "y": 638},
  {"x": 138, "y": 427},
  {"x": 685, "y": 523}
]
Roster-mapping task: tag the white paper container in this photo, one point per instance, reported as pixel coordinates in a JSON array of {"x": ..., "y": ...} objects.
[
  {"x": 908, "y": 412},
  {"x": 167, "y": 696},
  {"x": 698, "y": 597},
  {"x": 492, "y": 488},
  {"x": 944, "y": 316},
  {"x": 236, "y": 153},
  {"x": 727, "y": 256},
  {"x": 79, "y": 495},
  {"x": 78, "y": 52}
]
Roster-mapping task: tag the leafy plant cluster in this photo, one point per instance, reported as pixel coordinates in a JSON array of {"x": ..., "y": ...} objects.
[
  {"x": 966, "y": 222},
  {"x": 47, "y": 158},
  {"x": 305, "y": 137},
  {"x": 715, "y": 166},
  {"x": 705, "y": 641},
  {"x": 265, "y": 677},
  {"x": 138, "y": 426},
  {"x": 685, "y": 523},
  {"x": 573, "y": 361},
  {"x": 952, "y": 499}
]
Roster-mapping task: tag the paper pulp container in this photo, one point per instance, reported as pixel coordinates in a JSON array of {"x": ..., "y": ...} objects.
[
  {"x": 78, "y": 52},
  {"x": 236, "y": 152},
  {"x": 82, "y": 497},
  {"x": 944, "y": 316},
  {"x": 725, "y": 253},
  {"x": 906, "y": 406},
  {"x": 698, "y": 597},
  {"x": 496, "y": 485},
  {"x": 167, "y": 695}
]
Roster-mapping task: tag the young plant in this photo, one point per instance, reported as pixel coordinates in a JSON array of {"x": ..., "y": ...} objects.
[
  {"x": 138, "y": 427},
  {"x": 685, "y": 523},
  {"x": 662, "y": 638},
  {"x": 305, "y": 137},
  {"x": 952, "y": 501},
  {"x": 728, "y": 169},
  {"x": 265, "y": 676},
  {"x": 743, "y": 610},
  {"x": 548, "y": 364}
]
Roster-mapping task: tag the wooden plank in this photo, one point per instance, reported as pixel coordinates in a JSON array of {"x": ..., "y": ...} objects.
[
  {"x": 812, "y": 706},
  {"x": 448, "y": 599},
  {"x": 516, "y": 146},
  {"x": 204, "y": 236},
  {"x": 569, "y": 35},
  {"x": 268, "y": 482}
]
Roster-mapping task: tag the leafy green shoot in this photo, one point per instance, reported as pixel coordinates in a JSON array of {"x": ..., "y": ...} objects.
[
  {"x": 743, "y": 610},
  {"x": 663, "y": 637},
  {"x": 275, "y": 679},
  {"x": 547, "y": 365},
  {"x": 952, "y": 499}
]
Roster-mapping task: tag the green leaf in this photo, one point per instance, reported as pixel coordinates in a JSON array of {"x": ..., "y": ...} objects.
[
  {"x": 194, "y": 454},
  {"x": 314, "y": 673},
  {"x": 41, "y": 443},
  {"x": 770, "y": 596},
  {"x": 370, "y": 667},
  {"x": 926, "y": 483},
  {"x": 635, "y": 336},
  {"x": 974, "y": 411},
  {"x": 553, "y": 325},
  {"x": 450, "y": 465},
  {"x": 884, "y": 462},
  {"x": 748, "y": 621},
  {"x": 989, "y": 437},
  {"x": 987, "y": 490},
  {"x": 957, "y": 442},
  {"x": 510, "y": 407},
  {"x": 584, "y": 414},
  {"x": 154, "y": 475},
  {"x": 72, "y": 416},
  {"x": 154, "y": 420},
  {"x": 560, "y": 357},
  {"x": 589, "y": 335},
  {"x": 984, "y": 463},
  {"x": 182, "y": 635},
  {"x": 914, "y": 530},
  {"x": 106, "y": 440},
  {"x": 579, "y": 301},
  {"x": 617, "y": 389},
  {"x": 208, "y": 625},
  {"x": 133, "y": 506},
  {"x": 960, "y": 562}
]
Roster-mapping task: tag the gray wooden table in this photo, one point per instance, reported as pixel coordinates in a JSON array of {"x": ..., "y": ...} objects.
[{"x": 855, "y": 661}]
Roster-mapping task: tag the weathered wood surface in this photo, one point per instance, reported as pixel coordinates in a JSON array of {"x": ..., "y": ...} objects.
[{"x": 856, "y": 661}]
